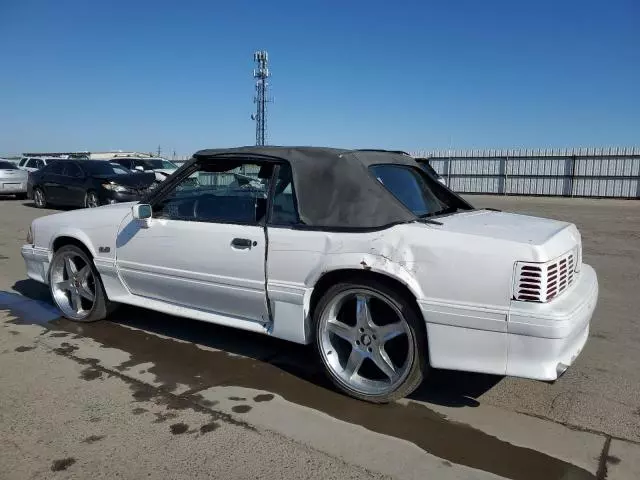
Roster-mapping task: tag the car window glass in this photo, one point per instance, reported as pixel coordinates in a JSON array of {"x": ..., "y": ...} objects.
[
  {"x": 56, "y": 168},
  {"x": 125, "y": 163},
  {"x": 410, "y": 187},
  {"x": 143, "y": 164},
  {"x": 31, "y": 163},
  {"x": 284, "y": 206},
  {"x": 235, "y": 195},
  {"x": 39, "y": 163},
  {"x": 23, "y": 161},
  {"x": 7, "y": 165},
  {"x": 72, "y": 170}
]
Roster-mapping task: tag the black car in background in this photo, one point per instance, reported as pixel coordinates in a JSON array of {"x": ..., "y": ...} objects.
[{"x": 86, "y": 183}]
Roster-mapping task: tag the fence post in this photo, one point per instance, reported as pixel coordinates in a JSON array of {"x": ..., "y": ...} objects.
[
  {"x": 505, "y": 176},
  {"x": 573, "y": 175}
]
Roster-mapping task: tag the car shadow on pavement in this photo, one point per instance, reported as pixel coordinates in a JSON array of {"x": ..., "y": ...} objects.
[{"x": 442, "y": 387}]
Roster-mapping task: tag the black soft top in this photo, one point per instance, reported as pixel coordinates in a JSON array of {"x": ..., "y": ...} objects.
[{"x": 333, "y": 187}]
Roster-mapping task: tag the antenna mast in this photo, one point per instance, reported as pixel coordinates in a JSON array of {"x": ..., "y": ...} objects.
[{"x": 261, "y": 74}]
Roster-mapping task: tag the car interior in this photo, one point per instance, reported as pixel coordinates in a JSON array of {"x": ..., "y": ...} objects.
[{"x": 234, "y": 196}]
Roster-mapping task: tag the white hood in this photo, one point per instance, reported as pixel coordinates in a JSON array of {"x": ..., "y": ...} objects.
[{"x": 504, "y": 226}]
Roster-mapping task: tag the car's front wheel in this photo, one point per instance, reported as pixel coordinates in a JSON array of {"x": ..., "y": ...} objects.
[
  {"x": 76, "y": 287},
  {"x": 371, "y": 341}
]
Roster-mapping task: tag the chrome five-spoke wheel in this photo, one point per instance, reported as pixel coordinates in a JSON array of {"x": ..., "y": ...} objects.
[
  {"x": 370, "y": 342},
  {"x": 75, "y": 285}
]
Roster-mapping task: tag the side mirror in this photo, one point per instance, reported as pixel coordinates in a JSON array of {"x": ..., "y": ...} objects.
[{"x": 141, "y": 211}]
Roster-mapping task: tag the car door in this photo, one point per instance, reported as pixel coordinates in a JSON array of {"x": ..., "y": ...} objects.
[
  {"x": 50, "y": 180},
  {"x": 73, "y": 188},
  {"x": 205, "y": 247}
]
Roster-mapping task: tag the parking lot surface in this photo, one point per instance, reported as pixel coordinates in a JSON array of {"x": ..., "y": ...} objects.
[{"x": 150, "y": 395}]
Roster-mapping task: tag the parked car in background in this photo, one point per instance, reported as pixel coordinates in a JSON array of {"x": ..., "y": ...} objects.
[
  {"x": 13, "y": 181},
  {"x": 87, "y": 183},
  {"x": 427, "y": 167},
  {"x": 14, "y": 161},
  {"x": 361, "y": 253},
  {"x": 32, "y": 164},
  {"x": 161, "y": 167}
]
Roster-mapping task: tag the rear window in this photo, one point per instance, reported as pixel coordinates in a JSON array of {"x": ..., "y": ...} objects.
[
  {"x": 410, "y": 187},
  {"x": 7, "y": 165}
]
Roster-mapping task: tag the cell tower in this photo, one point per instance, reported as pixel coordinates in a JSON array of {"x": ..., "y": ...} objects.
[{"x": 261, "y": 74}]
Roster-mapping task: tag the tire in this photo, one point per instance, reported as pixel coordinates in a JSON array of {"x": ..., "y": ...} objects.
[
  {"x": 91, "y": 199},
  {"x": 39, "y": 198},
  {"x": 86, "y": 282},
  {"x": 366, "y": 341}
]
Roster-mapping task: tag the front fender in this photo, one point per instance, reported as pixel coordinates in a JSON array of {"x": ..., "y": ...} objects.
[{"x": 76, "y": 234}]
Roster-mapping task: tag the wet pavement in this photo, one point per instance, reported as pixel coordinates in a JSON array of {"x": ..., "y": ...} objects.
[
  {"x": 171, "y": 348},
  {"x": 254, "y": 382}
]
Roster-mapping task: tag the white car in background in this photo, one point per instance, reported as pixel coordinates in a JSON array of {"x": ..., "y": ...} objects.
[
  {"x": 361, "y": 253},
  {"x": 161, "y": 167},
  {"x": 32, "y": 164},
  {"x": 13, "y": 181}
]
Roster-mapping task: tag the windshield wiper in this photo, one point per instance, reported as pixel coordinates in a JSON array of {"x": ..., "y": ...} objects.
[
  {"x": 444, "y": 211},
  {"x": 427, "y": 220}
]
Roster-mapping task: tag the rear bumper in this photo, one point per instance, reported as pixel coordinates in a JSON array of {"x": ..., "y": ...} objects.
[
  {"x": 37, "y": 262},
  {"x": 545, "y": 339},
  {"x": 10, "y": 188}
]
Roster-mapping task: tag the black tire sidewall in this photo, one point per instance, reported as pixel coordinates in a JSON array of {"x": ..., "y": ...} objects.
[
  {"x": 419, "y": 368},
  {"x": 44, "y": 198},
  {"x": 86, "y": 199},
  {"x": 101, "y": 305}
]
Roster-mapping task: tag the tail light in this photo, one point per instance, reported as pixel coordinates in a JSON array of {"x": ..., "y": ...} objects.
[{"x": 541, "y": 282}]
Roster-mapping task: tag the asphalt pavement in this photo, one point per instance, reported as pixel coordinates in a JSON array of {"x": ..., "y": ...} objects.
[{"x": 146, "y": 395}]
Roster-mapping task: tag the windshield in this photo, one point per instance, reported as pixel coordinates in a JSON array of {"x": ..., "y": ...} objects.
[
  {"x": 423, "y": 196},
  {"x": 96, "y": 167},
  {"x": 7, "y": 165}
]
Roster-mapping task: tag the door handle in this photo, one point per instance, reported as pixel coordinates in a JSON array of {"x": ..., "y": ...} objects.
[{"x": 242, "y": 243}]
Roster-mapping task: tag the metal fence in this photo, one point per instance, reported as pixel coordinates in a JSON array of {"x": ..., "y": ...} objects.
[{"x": 579, "y": 172}]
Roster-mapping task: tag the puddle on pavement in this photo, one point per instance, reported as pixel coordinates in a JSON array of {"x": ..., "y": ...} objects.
[{"x": 180, "y": 363}]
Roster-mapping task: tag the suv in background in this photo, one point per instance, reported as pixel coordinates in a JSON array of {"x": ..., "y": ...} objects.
[
  {"x": 161, "y": 167},
  {"x": 32, "y": 164}
]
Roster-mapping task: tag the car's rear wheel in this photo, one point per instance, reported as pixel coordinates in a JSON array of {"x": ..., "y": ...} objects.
[
  {"x": 76, "y": 287},
  {"x": 39, "y": 198},
  {"x": 371, "y": 341},
  {"x": 91, "y": 199}
]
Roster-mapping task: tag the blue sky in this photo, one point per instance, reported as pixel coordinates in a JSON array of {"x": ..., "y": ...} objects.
[{"x": 85, "y": 75}]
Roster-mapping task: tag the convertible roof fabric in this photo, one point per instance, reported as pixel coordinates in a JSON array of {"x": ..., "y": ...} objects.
[{"x": 334, "y": 188}]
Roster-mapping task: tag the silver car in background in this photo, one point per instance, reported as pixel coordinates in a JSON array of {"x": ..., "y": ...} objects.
[{"x": 13, "y": 181}]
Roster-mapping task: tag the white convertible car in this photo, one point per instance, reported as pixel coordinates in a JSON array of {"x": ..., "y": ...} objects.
[{"x": 360, "y": 252}]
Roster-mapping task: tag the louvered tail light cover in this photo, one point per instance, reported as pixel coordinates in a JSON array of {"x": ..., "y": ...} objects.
[{"x": 541, "y": 282}]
